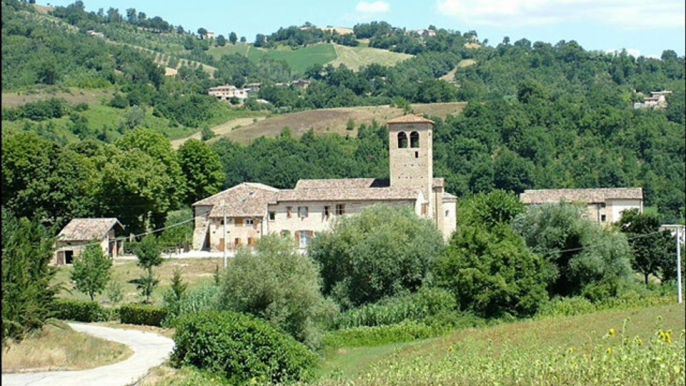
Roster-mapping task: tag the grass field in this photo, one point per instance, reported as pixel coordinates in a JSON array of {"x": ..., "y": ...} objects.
[
  {"x": 228, "y": 49},
  {"x": 356, "y": 57},
  {"x": 195, "y": 272},
  {"x": 58, "y": 347},
  {"x": 324, "y": 121}
]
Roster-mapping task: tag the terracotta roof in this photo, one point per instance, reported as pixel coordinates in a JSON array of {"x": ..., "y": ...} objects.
[
  {"x": 244, "y": 200},
  {"x": 589, "y": 196},
  {"x": 87, "y": 229},
  {"x": 353, "y": 194},
  {"x": 347, "y": 183},
  {"x": 410, "y": 118}
]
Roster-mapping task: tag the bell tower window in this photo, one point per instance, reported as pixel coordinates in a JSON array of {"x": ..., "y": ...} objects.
[
  {"x": 414, "y": 139},
  {"x": 402, "y": 140}
]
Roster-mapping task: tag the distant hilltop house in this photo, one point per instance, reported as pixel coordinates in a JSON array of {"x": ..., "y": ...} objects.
[
  {"x": 208, "y": 35},
  {"x": 95, "y": 33},
  {"x": 81, "y": 232},
  {"x": 604, "y": 205},
  {"x": 425, "y": 32},
  {"x": 656, "y": 100},
  {"x": 228, "y": 91},
  {"x": 252, "y": 210},
  {"x": 301, "y": 84}
]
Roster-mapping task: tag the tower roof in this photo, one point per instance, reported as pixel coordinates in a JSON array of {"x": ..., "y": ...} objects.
[{"x": 410, "y": 118}]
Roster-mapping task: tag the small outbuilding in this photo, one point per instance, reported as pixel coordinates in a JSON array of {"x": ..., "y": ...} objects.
[{"x": 80, "y": 232}]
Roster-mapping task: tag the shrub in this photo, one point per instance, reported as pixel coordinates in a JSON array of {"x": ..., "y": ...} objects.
[
  {"x": 80, "y": 311},
  {"x": 193, "y": 302},
  {"x": 240, "y": 347},
  {"x": 380, "y": 335},
  {"x": 427, "y": 302},
  {"x": 142, "y": 314},
  {"x": 280, "y": 286}
]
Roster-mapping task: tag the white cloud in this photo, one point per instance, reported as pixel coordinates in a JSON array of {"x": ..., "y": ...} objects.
[
  {"x": 375, "y": 8},
  {"x": 628, "y": 14}
]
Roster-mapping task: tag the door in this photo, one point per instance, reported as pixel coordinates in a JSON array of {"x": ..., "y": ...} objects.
[{"x": 221, "y": 245}]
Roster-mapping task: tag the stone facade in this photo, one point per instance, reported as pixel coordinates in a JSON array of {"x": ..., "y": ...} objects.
[
  {"x": 252, "y": 210},
  {"x": 602, "y": 205},
  {"x": 81, "y": 232}
]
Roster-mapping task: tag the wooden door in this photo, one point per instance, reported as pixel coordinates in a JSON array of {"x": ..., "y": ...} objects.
[{"x": 221, "y": 245}]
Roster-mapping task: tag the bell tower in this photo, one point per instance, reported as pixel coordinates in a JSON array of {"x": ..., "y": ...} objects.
[{"x": 410, "y": 146}]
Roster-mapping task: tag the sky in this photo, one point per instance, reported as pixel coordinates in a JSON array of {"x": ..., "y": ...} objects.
[{"x": 642, "y": 27}]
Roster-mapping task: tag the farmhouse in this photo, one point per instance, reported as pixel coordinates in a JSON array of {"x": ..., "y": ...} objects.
[
  {"x": 227, "y": 92},
  {"x": 80, "y": 232},
  {"x": 240, "y": 215},
  {"x": 603, "y": 205},
  {"x": 656, "y": 100}
]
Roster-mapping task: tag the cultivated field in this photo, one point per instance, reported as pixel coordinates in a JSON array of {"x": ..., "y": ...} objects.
[
  {"x": 299, "y": 59},
  {"x": 72, "y": 95},
  {"x": 356, "y": 57},
  {"x": 58, "y": 347},
  {"x": 335, "y": 120}
]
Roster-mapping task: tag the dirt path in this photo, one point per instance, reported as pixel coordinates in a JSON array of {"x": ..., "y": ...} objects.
[
  {"x": 220, "y": 130},
  {"x": 149, "y": 350}
]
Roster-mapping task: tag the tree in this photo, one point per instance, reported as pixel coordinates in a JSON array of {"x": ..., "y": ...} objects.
[
  {"x": 652, "y": 250},
  {"x": 221, "y": 41},
  {"x": 92, "y": 271},
  {"x": 201, "y": 168},
  {"x": 581, "y": 253},
  {"x": 490, "y": 209},
  {"x": 375, "y": 254},
  {"x": 279, "y": 285},
  {"x": 233, "y": 38},
  {"x": 243, "y": 39},
  {"x": 27, "y": 249},
  {"x": 149, "y": 256},
  {"x": 491, "y": 272},
  {"x": 202, "y": 32}
]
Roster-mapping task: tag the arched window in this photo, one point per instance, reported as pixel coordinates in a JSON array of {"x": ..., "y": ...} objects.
[
  {"x": 414, "y": 139},
  {"x": 402, "y": 140}
]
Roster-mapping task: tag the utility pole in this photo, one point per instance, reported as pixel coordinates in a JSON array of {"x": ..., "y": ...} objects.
[{"x": 678, "y": 262}]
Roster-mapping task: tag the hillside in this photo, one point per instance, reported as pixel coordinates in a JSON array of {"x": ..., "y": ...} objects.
[{"x": 325, "y": 121}]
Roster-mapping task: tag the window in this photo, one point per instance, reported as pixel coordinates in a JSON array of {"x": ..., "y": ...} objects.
[
  {"x": 249, "y": 221},
  {"x": 447, "y": 213},
  {"x": 425, "y": 209},
  {"x": 340, "y": 209},
  {"x": 289, "y": 211},
  {"x": 272, "y": 216},
  {"x": 303, "y": 238},
  {"x": 416, "y": 154},
  {"x": 327, "y": 211},
  {"x": 602, "y": 205},
  {"x": 402, "y": 140},
  {"x": 251, "y": 241},
  {"x": 603, "y": 218},
  {"x": 239, "y": 222},
  {"x": 414, "y": 139},
  {"x": 237, "y": 242},
  {"x": 302, "y": 211}
]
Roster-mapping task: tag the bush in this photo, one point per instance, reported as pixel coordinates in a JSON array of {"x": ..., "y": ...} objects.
[
  {"x": 280, "y": 286},
  {"x": 240, "y": 347},
  {"x": 380, "y": 335},
  {"x": 193, "y": 302},
  {"x": 142, "y": 314},
  {"x": 427, "y": 302},
  {"x": 81, "y": 311}
]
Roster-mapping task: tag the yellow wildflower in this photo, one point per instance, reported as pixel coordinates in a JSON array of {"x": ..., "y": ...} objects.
[
  {"x": 609, "y": 350},
  {"x": 613, "y": 332}
]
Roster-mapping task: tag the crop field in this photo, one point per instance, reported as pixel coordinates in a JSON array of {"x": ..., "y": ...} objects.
[
  {"x": 635, "y": 347},
  {"x": 325, "y": 121}
]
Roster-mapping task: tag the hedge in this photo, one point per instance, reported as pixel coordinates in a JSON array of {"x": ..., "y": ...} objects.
[
  {"x": 240, "y": 348},
  {"x": 142, "y": 314},
  {"x": 81, "y": 311}
]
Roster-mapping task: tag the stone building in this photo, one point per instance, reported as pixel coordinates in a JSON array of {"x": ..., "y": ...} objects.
[
  {"x": 252, "y": 210},
  {"x": 602, "y": 205},
  {"x": 81, "y": 232}
]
